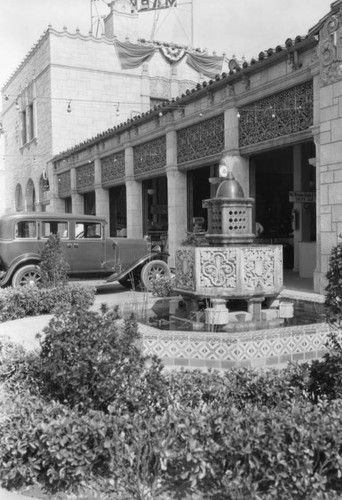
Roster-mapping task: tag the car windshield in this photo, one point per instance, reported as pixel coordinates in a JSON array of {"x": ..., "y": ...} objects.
[{"x": 88, "y": 230}]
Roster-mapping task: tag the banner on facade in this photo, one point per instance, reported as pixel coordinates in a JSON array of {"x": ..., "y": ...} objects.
[
  {"x": 133, "y": 55},
  {"x": 144, "y": 5}
]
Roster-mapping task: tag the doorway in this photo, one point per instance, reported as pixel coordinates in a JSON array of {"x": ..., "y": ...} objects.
[
  {"x": 155, "y": 206},
  {"x": 118, "y": 211}
]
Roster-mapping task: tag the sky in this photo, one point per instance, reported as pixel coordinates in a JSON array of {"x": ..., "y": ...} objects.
[{"x": 234, "y": 27}]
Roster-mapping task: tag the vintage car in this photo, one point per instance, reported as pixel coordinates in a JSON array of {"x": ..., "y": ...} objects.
[{"x": 87, "y": 250}]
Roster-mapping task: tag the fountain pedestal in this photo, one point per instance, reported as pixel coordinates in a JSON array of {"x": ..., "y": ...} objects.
[
  {"x": 229, "y": 272},
  {"x": 232, "y": 266}
]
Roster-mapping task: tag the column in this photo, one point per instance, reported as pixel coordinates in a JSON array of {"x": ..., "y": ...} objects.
[
  {"x": 177, "y": 197},
  {"x": 134, "y": 198},
  {"x": 76, "y": 198},
  {"x": 238, "y": 164},
  {"x": 56, "y": 203},
  {"x": 319, "y": 277},
  {"x": 101, "y": 195},
  {"x": 297, "y": 186}
]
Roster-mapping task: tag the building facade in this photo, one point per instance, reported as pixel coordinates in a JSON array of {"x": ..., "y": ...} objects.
[
  {"x": 71, "y": 86},
  {"x": 277, "y": 124}
]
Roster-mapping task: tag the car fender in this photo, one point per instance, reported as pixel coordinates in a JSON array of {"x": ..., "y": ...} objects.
[
  {"x": 28, "y": 258},
  {"x": 138, "y": 263}
]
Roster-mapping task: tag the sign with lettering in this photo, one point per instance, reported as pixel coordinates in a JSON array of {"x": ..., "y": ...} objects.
[
  {"x": 159, "y": 209},
  {"x": 302, "y": 197},
  {"x": 144, "y": 5}
]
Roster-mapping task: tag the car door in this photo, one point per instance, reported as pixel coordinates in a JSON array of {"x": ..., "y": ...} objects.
[{"x": 88, "y": 247}]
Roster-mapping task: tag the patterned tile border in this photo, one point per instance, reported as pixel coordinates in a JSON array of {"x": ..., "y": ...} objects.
[{"x": 262, "y": 348}]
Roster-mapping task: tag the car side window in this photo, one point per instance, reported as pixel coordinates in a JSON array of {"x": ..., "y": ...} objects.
[
  {"x": 88, "y": 230},
  {"x": 55, "y": 227},
  {"x": 26, "y": 229}
]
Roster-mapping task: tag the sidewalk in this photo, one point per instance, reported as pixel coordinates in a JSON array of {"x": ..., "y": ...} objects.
[{"x": 9, "y": 495}]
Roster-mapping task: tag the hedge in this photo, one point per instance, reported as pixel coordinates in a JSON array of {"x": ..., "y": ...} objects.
[{"x": 24, "y": 301}]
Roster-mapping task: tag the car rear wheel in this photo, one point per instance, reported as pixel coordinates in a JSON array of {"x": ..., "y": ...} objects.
[
  {"x": 152, "y": 270},
  {"x": 27, "y": 275}
]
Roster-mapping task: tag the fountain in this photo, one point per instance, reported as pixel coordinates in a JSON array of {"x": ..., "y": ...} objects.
[{"x": 231, "y": 267}]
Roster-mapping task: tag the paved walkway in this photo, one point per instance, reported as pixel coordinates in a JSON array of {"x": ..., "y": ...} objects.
[{"x": 24, "y": 331}]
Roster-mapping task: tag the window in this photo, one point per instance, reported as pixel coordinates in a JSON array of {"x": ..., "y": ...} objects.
[
  {"x": 26, "y": 229},
  {"x": 28, "y": 132},
  {"x": 88, "y": 230},
  {"x": 55, "y": 227},
  {"x": 23, "y": 128},
  {"x": 30, "y": 123}
]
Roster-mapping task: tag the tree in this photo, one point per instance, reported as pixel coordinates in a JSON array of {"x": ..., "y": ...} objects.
[{"x": 54, "y": 266}]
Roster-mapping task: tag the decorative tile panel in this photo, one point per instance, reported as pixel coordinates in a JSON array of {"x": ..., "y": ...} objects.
[
  {"x": 150, "y": 156},
  {"x": 281, "y": 114},
  {"x": 113, "y": 167},
  {"x": 64, "y": 184},
  {"x": 185, "y": 269},
  {"x": 218, "y": 268},
  {"x": 241, "y": 271},
  {"x": 85, "y": 176},
  {"x": 201, "y": 140},
  {"x": 259, "y": 265}
]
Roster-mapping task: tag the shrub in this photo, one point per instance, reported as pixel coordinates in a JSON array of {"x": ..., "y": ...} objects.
[
  {"x": 243, "y": 434},
  {"x": 31, "y": 301},
  {"x": 333, "y": 298},
  {"x": 17, "y": 368},
  {"x": 63, "y": 449},
  {"x": 326, "y": 374},
  {"x": 91, "y": 359},
  {"x": 241, "y": 387},
  {"x": 195, "y": 240},
  {"x": 162, "y": 286},
  {"x": 53, "y": 265},
  {"x": 284, "y": 453}
]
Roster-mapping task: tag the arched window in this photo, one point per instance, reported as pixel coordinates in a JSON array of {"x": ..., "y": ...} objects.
[
  {"x": 30, "y": 196},
  {"x": 19, "y": 205}
]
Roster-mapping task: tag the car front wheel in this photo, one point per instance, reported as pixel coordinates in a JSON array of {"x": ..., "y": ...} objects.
[
  {"x": 27, "y": 275},
  {"x": 152, "y": 270}
]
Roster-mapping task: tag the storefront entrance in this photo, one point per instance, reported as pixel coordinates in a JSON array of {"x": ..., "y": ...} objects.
[
  {"x": 155, "y": 203},
  {"x": 118, "y": 212},
  {"x": 283, "y": 185},
  {"x": 199, "y": 189}
]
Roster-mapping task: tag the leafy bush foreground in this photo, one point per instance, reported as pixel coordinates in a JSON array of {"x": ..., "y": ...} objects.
[{"x": 90, "y": 411}]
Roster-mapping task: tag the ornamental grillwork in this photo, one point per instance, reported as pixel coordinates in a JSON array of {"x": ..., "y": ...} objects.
[
  {"x": 113, "y": 167},
  {"x": 64, "y": 184},
  {"x": 278, "y": 115},
  {"x": 203, "y": 139},
  {"x": 85, "y": 176},
  {"x": 150, "y": 156}
]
